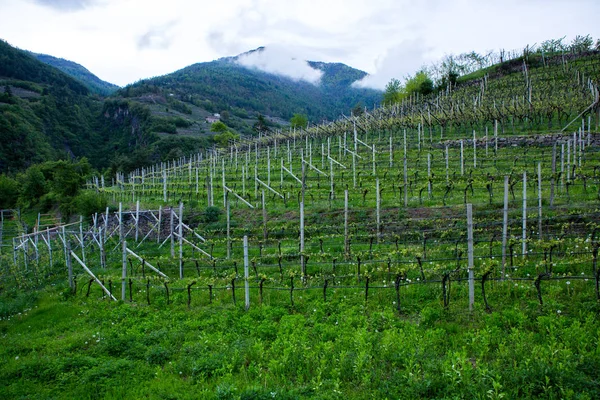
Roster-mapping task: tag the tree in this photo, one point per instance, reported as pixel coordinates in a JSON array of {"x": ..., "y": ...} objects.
[
  {"x": 393, "y": 92},
  {"x": 553, "y": 45},
  {"x": 299, "y": 121},
  {"x": 261, "y": 125},
  {"x": 223, "y": 139},
  {"x": 582, "y": 44},
  {"x": 420, "y": 83},
  {"x": 9, "y": 192},
  {"x": 33, "y": 185},
  {"x": 218, "y": 127},
  {"x": 358, "y": 109}
]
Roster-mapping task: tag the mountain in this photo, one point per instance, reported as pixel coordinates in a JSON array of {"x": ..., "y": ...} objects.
[
  {"x": 79, "y": 72},
  {"x": 229, "y": 83},
  {"x": 46, "y": 114}
]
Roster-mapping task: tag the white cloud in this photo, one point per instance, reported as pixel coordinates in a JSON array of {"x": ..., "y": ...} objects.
[
  {"x": 278, "y": 60},
  {"x": 399, "y": 62},
  {"x": 126, "y": 40}
]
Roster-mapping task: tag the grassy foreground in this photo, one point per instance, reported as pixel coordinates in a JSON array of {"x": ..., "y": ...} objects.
[{"x": 55, "y": 345}]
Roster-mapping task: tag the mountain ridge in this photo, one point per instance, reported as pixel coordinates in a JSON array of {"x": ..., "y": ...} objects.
[{"x": 79, "y": 72}]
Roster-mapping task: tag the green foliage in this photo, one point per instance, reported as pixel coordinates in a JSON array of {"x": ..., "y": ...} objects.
[
  {"x": 299, "y": 121},
  {"x": 53, "y": 184},
  {"x": 393, "y": 92},
  {"x": 33, "y": 185},
  {"x": 420, "y": 83},
  {"x": 163, "y": 125},
  {"x": 58, "y": 346},
  {"x": 179, "y": 106},
  {"x": 9, "y": 192},
  {"x": 581, "y": 44},
  {"x": 18, "y": 64},
  {"x": 261, "y": 125},
  {"x": 89, "y": 202},
  {"x": 226, "y": 85},
  {"x": 218, "y": 127},
  {"x": 223, "y": 139},
  {"x": 91, "y": 81},
  {"x": 211, "y": 214}
]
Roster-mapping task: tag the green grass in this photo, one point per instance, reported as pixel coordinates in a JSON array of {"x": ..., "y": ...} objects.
[{"x": 78, "y": 347}]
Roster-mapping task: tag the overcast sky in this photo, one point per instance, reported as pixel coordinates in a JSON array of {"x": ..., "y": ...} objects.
[{"x": 122, "y": 41}]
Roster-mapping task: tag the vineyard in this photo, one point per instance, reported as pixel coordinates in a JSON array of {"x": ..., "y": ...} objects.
[{"x": 477, "y": 207}]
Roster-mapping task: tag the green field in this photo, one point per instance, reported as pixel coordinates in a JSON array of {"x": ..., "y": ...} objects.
[{"x": 368, "y": 300}]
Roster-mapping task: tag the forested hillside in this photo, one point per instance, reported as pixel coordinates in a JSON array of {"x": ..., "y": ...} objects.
[
  {"x": 79, "y": 72},
  {"x": 225, "y": 84}
]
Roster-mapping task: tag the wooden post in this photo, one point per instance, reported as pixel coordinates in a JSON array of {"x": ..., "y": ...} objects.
[
  {"x": 447, "y": 172},
  {"x": 378, "y": 216},
  {"x": 172, "y": 229},
  {"x": 137, "y": 220},
  {"x": 228, "y": 211},
  {"x": 354, "y": 169},
  {"x": 505, "y": 226},
  {"x": 391, "y": 152},
  {"x": 80, "y": 238},
  {"x": 405, "y": 181},
  {"x": 69, "y": 265},
  {"x": 124, "y": 270},
  {"x": 102, "y": 260},
  {"x": 553, "y": 178},
  {"x": 223, "y": 182},
  {"x": 159, "y": 224},
  {"x": 429, "y": 175},
  {"x": 180, "y": 240},
  {"x": 568, "y": 160},
  {"x": 346, "y": 243},
  {"x": 470, "y": 256},
  {"x": 524, "y": 236},
  {"x": 331, "y": 178},
  {"x": 302, "y": 261},
  {"x": 540, "y": 200},
  {"x": 106, "y": 216},
  {"x": 268, "y": 166},
  {"x": 211, "y": 201},
  {"x": 562, "y": 166},
  {"x": 120, "y": 222},
  {"x": 462, "y": 160},
  {"x": 374, "y": 164},
  {"x": 264, "y": 214},
  {"x": 164, "y": 186},
  {"x": 246, "y": 283},
  {"x": 474, "y": 150}
]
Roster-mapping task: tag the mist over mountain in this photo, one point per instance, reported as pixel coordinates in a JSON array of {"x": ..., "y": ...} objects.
[{"x": 266, "y": 81}]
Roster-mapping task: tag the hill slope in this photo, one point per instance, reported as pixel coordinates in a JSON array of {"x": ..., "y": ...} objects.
[
  {"x": 79, "y": 72},
  {"x": 227, "y": 84},
  {"x": 46, "y": 114}
]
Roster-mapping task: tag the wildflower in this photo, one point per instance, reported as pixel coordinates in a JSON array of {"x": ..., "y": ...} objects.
[{"x": 558, "y": 311}]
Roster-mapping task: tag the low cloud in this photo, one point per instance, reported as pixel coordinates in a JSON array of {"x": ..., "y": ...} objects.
[
  {"x": 67, "y": 5},
  {"x": 281, "y": 61},
  {"x": 399, "y": 62},
  {"x": 158, "y": 37}
]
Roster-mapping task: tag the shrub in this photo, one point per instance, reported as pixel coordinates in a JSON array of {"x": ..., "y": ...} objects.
[
  {"x": 89, "y": 202},
  {"x": 211, "y": 214}
]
